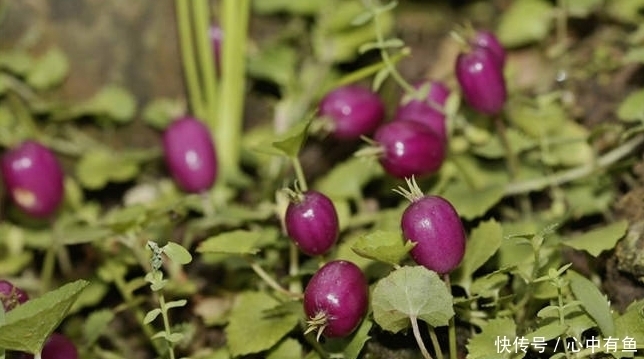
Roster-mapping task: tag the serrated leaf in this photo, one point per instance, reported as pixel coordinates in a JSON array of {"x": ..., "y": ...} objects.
[
  {"x": 233, "y": 242},
  {"x": 411, "y": 292},
  {"x": 598, "y": 240},
  {"x": 489, "y": 343},
  {"x": 177, "y": 253},
  {"x": 593, "y": 301},
  {"x": 151, "y": 315},
  {"x": 48, "y": 70},
  {"x": 96, "y": 168},
  {"x": 384, "y": 246},
  {"x": 525, "y": 21},
  {"x": 631, "y": 109},
  {"x": 481, "y": 245},
  {"x": 248, "y": 320},
  {"x": 547, "y": 332},
  {"x": 28, "y": 326}
]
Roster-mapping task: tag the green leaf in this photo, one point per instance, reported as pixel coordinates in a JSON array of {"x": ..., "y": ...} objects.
[
  {"x": 483, "y": 242},
  {"x": 177, "y": 253},
  {"x": 628, "y": 11},
  {"x": 18, "y": 62},
  {"x": 411, "y": 292},
  {"x": 84, "y": 234},
  {"x": 159, "y": 112},
  {"x": 494, "y": 148},
  {"x": 347, "y": 179},
  {"x": 114, "y": 102},
  {"x": 249, "y": 320},
  {"x": 570, "y": 147},
  {"x": 583, "y": 8},
  {"x": 28, "y": 326},
  {"x": 489, "y": 343},
  {"x": 151, "y": 315},
  {"x": 593, "y": 301},
  {"x": 49, "y": 70},
  {"x": 350, "y": 347},
  {"x": 176, "y": 304},
  {"x": 599, "y": 240},
  {"x": 289, "y": 143},
  {"x": 471, "y": 203},
  {"x": 384, "y": 246},
  {"x": 233, "y": 242},
  {"x": 96, "y": 325},
  {"x": 98, "y": 167},
  {"x": 631, "y": 109},
  {"x": 549, "y": 331},
  {"x": 287, "y": 349},
  {"x": 631, "y": 323},
  {"x": 525, "y": 21},
  {"x": 277, "y": 63},
  {"x": 308, "y": 7}
]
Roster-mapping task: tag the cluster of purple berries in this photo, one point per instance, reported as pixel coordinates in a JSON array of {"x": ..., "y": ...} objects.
[{"x": 57, "y": 345}]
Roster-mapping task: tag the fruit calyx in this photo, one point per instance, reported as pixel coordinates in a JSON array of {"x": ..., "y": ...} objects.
[
  {"x": 412, "y": 192},
  {"x": 317, "y": 324}
]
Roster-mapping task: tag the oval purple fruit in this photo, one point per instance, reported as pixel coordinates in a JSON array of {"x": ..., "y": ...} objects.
[
  {"x": 336, "y": 299},
  {"x": 312, "y": 222},
  {"x": 428, "y": 111},
  {"x": 11, "y": 296},
  {"x": 33, "y": 178},
  {"x": 481, "y": 80},
  {"x": 409, "y": 149},
  {"x": 190, "y": 154},
  {"x": 434, "y": 225},
  {"x": 57, "y": 346},
  {"x": 352, "y": 111},
  {"x": 488, "y": 40}
]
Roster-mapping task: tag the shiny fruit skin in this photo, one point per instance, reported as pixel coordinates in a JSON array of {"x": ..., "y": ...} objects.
[
  {"x": 434, "y": 225},
  {"x": 339, "y": 292},
  {"x": 409, "y": 149},
  {"x": 425, "y": 111},
  {"x": 33, "y": 178},
  {"x": 190, "y": 154},
  {"x": 353, "y": 111},
  {"x": 312, "y": 222},
  {"x": 481, "y": 80}
]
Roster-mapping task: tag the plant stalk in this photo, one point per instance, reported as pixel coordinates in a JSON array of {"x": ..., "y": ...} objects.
[
  {"x": 206, "y": 61},
  {"x": 188, "y": 60},
  {"x": 419, "y": 340}
]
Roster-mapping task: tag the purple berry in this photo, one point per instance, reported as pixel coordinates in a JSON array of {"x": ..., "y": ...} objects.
[
  {"x": 353, "y": 111},
  {"x": 312, "y": 222},
  {"x": 481, "y": 80},
  {"x": 11, "y": 296},
  {"x": 409, "y": 149},
  {"x": 336, "y": 298},
  {"x": 434, "y": 225},
  {"x": 216, "y": 36},
  {"x": 429, "y": 111},
  {"x": 33, "y": 178},
  {"x": 57, "y": 346},
  {"x": 488, "y": 40},
  {"x": 190, "y": 154}
]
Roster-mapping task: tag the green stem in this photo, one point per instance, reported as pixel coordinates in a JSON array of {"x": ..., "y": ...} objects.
[
  {"x": 166, "y": 324},
  {"x": 380, "y": 39},
  {"x": 206, "y": 60},
  {"x": 451, "y": 329},
  {"x": 435, "y": 342},
  {"x": 269, "y": 280},
  {"x": 572, "y": 174},
  {"x": 295, "y": 286},
  {"x": 230, "y": 117},
  {"x": 188, "y": 58},
  {"x": 299, "y": 174},
  {"x": 419, "y": 340}
]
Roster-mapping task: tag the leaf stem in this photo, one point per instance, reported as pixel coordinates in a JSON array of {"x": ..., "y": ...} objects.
[
  {"x": 206, "y": 61},
  {"x": 166, "y": 324},
  {"x": 435, "y": 342},
  {"x": 270, "y": 281},
  {"x": 572, "y": 174},
  {"x": 419, "y": 340},
  {"x": 299, "y": 174},
  {"x": 188, "y": 58},
  {"x": 227, "y": 136},
  {"x": 451, "y": 329}
]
